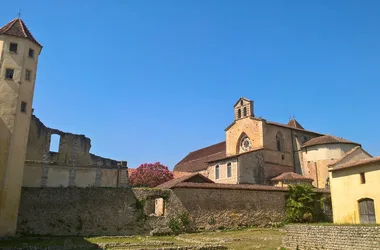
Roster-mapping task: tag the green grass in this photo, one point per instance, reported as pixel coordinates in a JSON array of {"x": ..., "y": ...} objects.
[{"x": 252, "y": 238}]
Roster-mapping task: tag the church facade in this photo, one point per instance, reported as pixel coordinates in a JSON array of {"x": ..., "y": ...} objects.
[{"x": 256, "y": 151}]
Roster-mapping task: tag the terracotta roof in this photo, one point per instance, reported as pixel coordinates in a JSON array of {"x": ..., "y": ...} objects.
[
  {"x": 234, "y": 156},
  {"x": 348, "y": 154},
  {"x": 294, "y": 124},
  {"x": 291, "y": 126},
  {"x": 288, "y": 176},
  {"x": 229, "y": 186},
  {"x": 17, "y": 27},
  {"x": 174, "y": 182},
  {"x": 356, "y": 163},
  {"x": 196, "y": 161},
  {"x": 327, "y": 139}
]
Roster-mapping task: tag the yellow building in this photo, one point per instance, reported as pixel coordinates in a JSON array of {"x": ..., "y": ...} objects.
[
  {"x": 19, "y": 53},
  {"x": 355, "y": 191}
]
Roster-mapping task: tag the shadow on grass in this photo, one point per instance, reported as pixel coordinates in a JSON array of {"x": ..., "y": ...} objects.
[{"x": 45, "y": 242}]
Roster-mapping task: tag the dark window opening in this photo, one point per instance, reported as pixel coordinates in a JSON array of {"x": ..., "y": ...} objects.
[
  {"x": 28, "y": 74},
  {"x": 54, "y": 143},
  {"x": 23, "y": 107},
  {"x": 279, "y": 141},
  {"x": 31, "y": 53},
  {"x": 239, "y": 113},
  {"x": 283, "y": 157},
  {"x": 217, "y": 172},
  {"x": 362, "y": 178},
  {"x": 13, "y": 47},
  {"x": 9, "y": 73},
  {"x": 241, "y": 102},
  {"x": 367, "y": 211},
  {"x": 245, "y": 111},
  {"x": 229, "y": 170}
]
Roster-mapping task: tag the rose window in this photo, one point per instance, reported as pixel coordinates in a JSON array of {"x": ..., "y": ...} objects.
[{"x": 245, "y": 144}]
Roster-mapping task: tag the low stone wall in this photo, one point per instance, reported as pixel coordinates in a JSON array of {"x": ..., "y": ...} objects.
[{"x": 332, "y": 237}]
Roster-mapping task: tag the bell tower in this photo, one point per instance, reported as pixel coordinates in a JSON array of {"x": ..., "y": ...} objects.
[
  {"x": 243, "y": 108},
  {"x": 19, "y": 53}
]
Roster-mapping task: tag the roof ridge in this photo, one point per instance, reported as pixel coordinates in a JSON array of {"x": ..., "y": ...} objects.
[
  {"x": 22, "y": 26},
  {"x": 10, "y": 24}
]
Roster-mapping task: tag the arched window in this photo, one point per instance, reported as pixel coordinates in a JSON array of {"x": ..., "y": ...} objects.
[
  {"x": 245, "y": 111},
  {"x": 229, "y": 170},
  {"x": 239, "y": 113},
  {"x": 367, "y": 211},
  {"x": 241, "y": 102},
  {"x": 280, "y": 141},
  {"x": 217, "y": 172}
]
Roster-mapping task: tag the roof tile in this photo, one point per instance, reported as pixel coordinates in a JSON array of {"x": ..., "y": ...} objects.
[
  {"x": 17, "y": 27},
  {"x": 327, "y": 139}
]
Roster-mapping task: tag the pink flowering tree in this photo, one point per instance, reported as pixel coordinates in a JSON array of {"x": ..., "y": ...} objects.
[{"x": 150, "y": 175}]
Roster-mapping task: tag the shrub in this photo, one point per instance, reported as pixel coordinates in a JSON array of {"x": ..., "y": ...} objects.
[{"x": 150, "y": 175}]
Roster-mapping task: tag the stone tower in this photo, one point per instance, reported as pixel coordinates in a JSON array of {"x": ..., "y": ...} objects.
[
  {"x": 243, "y": 108},
  {"x": 19, "y": 53}
]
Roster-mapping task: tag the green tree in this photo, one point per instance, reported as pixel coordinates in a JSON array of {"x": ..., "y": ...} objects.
[{"x": 303, "y": 204}]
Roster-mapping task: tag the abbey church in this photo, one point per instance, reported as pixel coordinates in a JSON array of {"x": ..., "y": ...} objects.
[{"x": 257, "y": 151}]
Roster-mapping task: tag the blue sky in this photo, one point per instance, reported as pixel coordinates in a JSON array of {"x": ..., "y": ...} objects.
[{"x": 152, "y": 80}]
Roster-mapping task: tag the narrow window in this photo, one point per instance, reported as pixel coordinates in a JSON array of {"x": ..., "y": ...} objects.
[
  {"x": 13, "y": 47},
  {"x": 54, "y": 143},
  {"x": 241, "y": 102},
  {"x": 217, "y": 172},
  {"x": 23, "y": 107},
  {"x": 362, "y": 178},
  {"x": 229, "y": 170},
  {"x": 9, "y": 73},
  {"x": 28, "y": 75},
  {"x": 159, "y": 207},
  {"x": 245, "y": 111},
  {"x": 239, "y": 113},
  {"x": 31, "y": 53},
  {"x": 367, "y": 211},
  {"x": 278, "y": 141}
]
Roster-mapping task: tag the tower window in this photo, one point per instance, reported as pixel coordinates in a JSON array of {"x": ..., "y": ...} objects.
[
  {"x": 362, "y": 178},
  {"x": 23, "y": 107},
  {"x": 245, "y": 111},
  {"x": 13, "y": 47},
  {"x": 31, "y": 53},
  {"x": 239, "y": 113},
  {"x": 241, "y": 102},
  {"x": 217, "y": 172},
  {"x": 9, "y": 73},
  {"x": 28, "y": 74}
]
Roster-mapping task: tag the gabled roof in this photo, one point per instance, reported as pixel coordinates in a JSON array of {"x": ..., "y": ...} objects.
[
  {"x": 348, "y": 154},
  {"x": 327, "y": 139},
  {"x": 195, "y": 177},
  {"x": 196, "y": 161},
  {"x": 289, "y": 176},
  {"x": 356, "y": 163},
  {"x": 17, "y": 27},
  {"x": 294, "y": 124},
  {"x": 242, "y": 98},
  {"x": 291, "y": 127}
]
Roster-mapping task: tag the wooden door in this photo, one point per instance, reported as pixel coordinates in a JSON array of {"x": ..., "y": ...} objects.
[{"x": 367, "y": 211}]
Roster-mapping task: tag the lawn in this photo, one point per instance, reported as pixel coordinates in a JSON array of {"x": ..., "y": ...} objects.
[{"x": 253, "y": 238}]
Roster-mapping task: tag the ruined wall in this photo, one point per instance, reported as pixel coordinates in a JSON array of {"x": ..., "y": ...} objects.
[
  {"x": 331, "y": 237},
  {"x": 45, "y": 175},
  {"x": 72, "y": 165}
]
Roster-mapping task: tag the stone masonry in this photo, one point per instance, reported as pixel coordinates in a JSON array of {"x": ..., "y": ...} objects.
[{"x": 332, "y": 237}]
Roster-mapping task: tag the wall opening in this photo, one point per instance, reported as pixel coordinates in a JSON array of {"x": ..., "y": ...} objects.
[
  {"x": 54, "y": 143},
  {"x": 367, "y": 211},
  {"x": 159, "y": 207}
]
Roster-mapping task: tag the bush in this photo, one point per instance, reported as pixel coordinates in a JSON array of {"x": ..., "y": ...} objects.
[{"x": 150, "y": 175}]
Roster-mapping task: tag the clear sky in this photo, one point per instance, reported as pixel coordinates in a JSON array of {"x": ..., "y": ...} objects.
[{"x": 152, "y": 80}]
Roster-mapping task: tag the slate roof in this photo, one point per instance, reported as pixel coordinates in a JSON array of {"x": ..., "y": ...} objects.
[
  {"x": 17, "y": 27},
  {"x": 196, "y": 161},
  {"x": 356, "y": 163},
  {"x": 289, "y": 176},
  {"x": 174, "y": 182},
  {"x": 327, "y": 139}
]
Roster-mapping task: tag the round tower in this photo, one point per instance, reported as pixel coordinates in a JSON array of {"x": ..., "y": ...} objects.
[{"x": 19, "y": 53}]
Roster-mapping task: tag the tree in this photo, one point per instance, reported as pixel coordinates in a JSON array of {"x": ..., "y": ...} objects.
[
  {"x": 303, "y": 204},
  {"x": 150, "y": 175}
]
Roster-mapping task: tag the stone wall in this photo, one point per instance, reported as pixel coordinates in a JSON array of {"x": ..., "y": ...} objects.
[
  {"x": 331, "y": 237},
  {"x": 228, "y": 208}
]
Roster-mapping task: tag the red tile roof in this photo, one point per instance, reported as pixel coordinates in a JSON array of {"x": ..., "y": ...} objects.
[
  {"x": 174, "y": 182},
  {"x": 294, "y": 124},
  {"x": 348, "y": 154},
  {"x": 288, "y": 176},
  {"x": 356, "y": 163},
  {"x": 196, "y": 161},
  {"x": 237, "y": 155},
  {"x": 17, "y": 27},
  {"x": 327, "y": 139}
]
